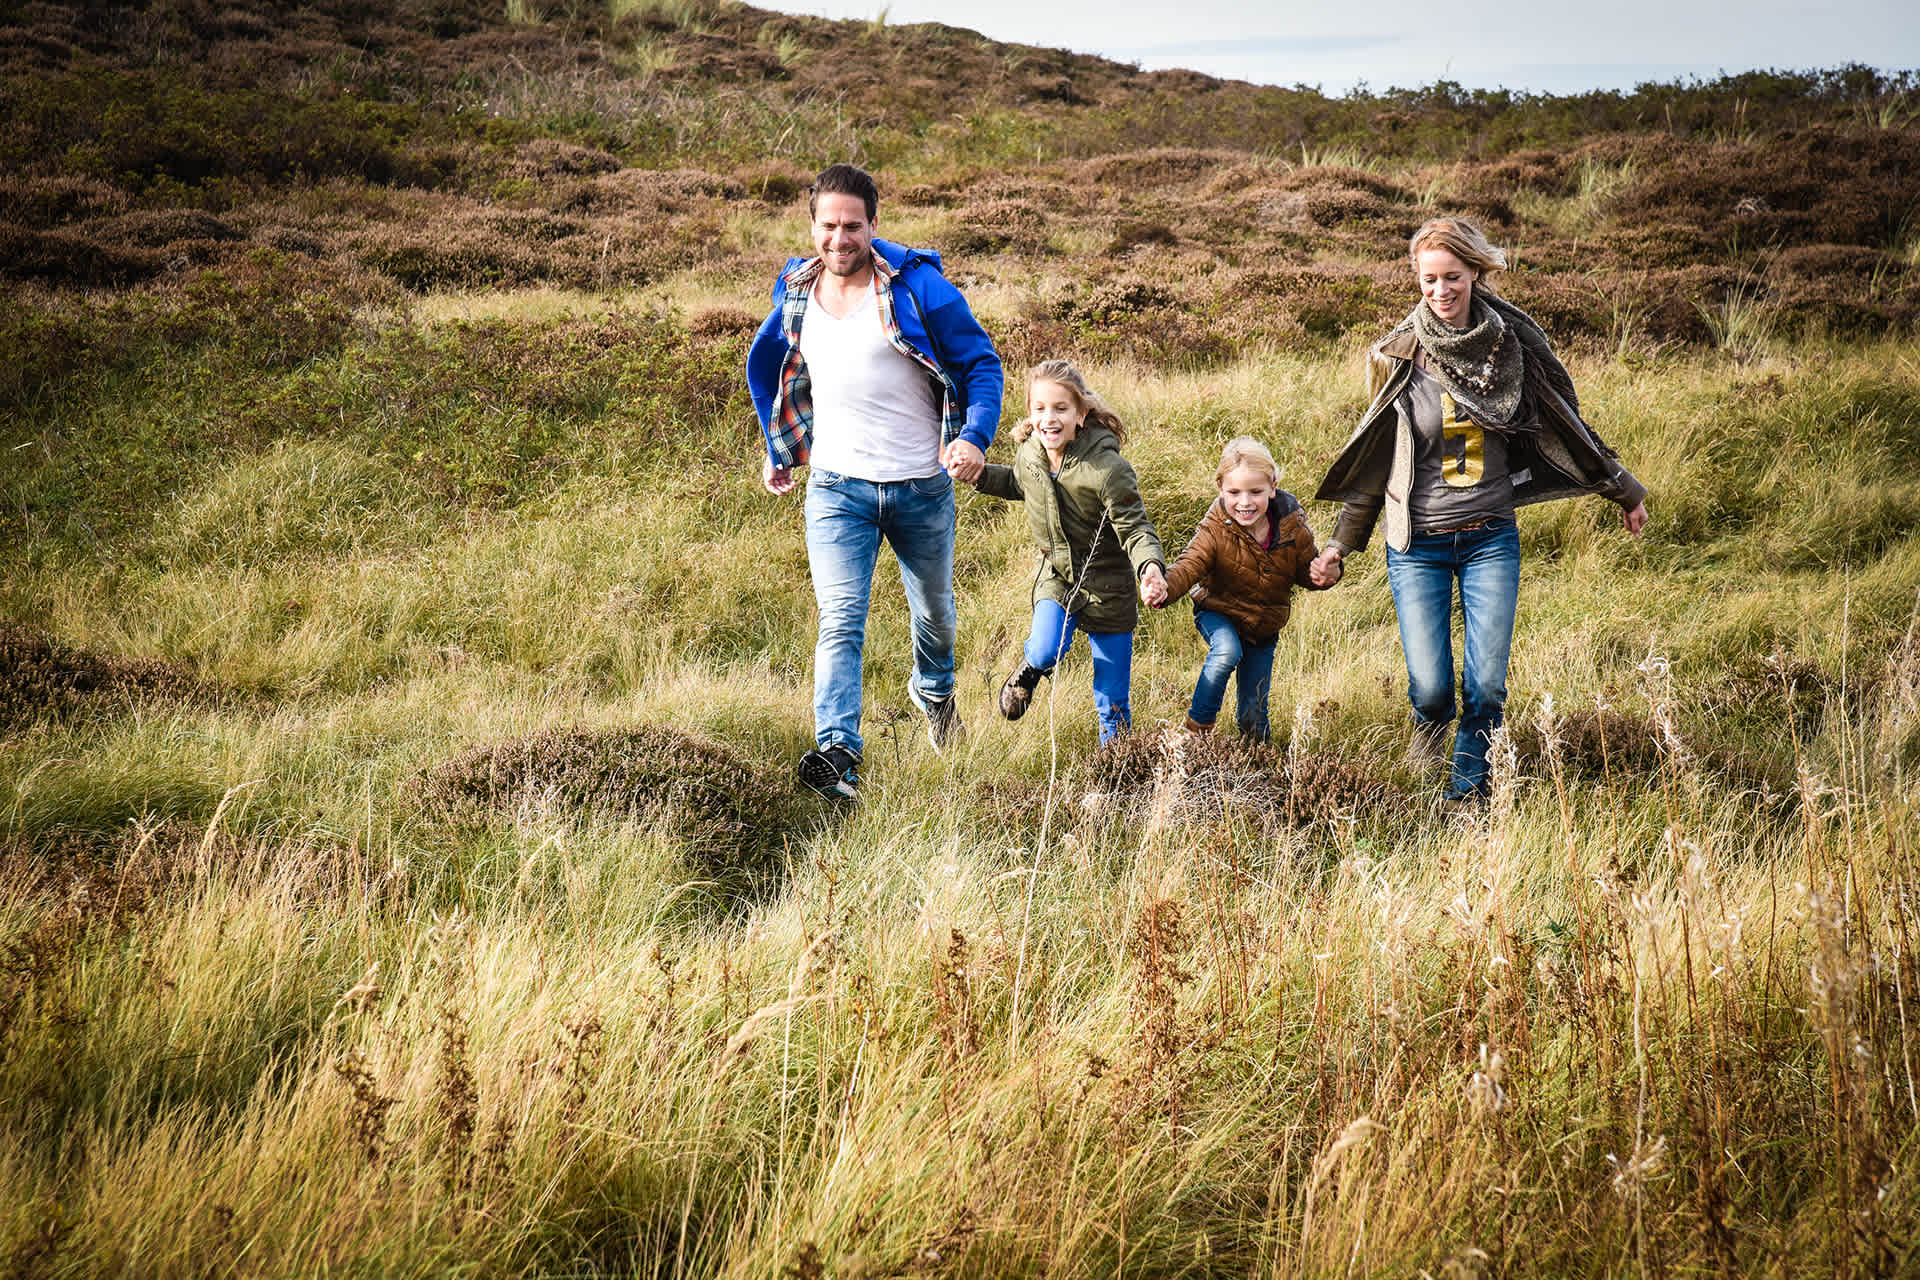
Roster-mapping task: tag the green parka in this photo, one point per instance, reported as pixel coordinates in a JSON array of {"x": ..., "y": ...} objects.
[{"x": 1094, "y": 535}]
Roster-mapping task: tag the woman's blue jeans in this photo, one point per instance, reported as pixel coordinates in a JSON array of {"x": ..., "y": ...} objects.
[
  {"x": 1227, "y": 653},
  {"x": 1052, "y": 636},
  {"x": 846, "y": 520},
  {"x": 1485, "y": 563}
]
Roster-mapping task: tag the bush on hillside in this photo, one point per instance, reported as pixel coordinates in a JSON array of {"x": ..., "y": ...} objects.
[
  {"x": 45, "y": 681},
  {"x": 727, "y": 813}
]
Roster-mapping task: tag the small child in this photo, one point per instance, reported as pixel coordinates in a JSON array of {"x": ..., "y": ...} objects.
[
  {"x": 1251, "y": 550},
  {"x": 1083, "y": 503}
]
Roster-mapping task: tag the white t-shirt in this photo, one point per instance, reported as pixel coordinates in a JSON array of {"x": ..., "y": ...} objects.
[{"x": 875, "y": 413}]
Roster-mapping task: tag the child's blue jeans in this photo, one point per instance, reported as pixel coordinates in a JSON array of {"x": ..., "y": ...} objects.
[
  {"x": 1052, "y": 636},
  {"x": 1227, "y": 653}
]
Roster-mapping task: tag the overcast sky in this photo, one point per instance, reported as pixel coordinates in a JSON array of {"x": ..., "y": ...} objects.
[{"x": 1549, "y": 48}]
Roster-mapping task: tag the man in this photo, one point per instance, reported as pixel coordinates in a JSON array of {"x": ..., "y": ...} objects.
[{"x": 872, "y": 371}]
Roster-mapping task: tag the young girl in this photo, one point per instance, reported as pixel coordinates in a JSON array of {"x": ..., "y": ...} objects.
[
  {"x": 1096, "y": 542},
  {"x": 1251, "y": 550}
]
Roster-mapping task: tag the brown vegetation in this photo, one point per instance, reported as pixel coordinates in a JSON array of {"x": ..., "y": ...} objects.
[
  {"x": 728, "y": 812},
  {"x": 446, "y": 148},
  {"x": 43, "y": 680}
]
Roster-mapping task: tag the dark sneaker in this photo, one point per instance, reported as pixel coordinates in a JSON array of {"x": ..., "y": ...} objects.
[
  {"x": 943, "y": 719},
  {"x": 1017, "y": 692},
  {"x": 832, "y": 771}
]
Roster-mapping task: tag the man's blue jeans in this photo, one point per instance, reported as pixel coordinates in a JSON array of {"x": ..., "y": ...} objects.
[
  {"x": 846, "y": 520},
  {"x": 1052, "y": 636},
  {"x": 1226, "y": 654},
  {"x": 1485, "y": 563}
]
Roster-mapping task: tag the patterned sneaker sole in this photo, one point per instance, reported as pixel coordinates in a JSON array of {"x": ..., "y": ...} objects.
[{"x": 817, "y": 774}]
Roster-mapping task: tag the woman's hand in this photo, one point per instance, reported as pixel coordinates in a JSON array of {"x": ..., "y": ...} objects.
[
  {"x": 1153, "y": 586},
  {"x": 1327, "y": 568},
  {"x": 1635, "y": 520}
]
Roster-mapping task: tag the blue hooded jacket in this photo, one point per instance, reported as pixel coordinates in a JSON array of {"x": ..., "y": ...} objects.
[{"x": 926, "y": 318}]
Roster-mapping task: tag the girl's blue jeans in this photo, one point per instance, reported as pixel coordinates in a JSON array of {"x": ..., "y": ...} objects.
[
  {"x": 1485, "y": 563},
  {"x": 1227, "y": 654},
  {"x": 1052, "y": 636},
  {"x": 846, "y": 520}
]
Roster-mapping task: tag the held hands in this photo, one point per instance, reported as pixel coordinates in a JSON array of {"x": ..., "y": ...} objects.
[
  {"x": 1327, "y": 568},
  {"x": 1635, "y": 520},
  {"x": 963, "y": 461},
  {"x": 1153, "y": 586}
]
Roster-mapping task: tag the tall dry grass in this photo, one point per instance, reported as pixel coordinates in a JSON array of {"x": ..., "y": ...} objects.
[{"x": 1165, "y": 1010}]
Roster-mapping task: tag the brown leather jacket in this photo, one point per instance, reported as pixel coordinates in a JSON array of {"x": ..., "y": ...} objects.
[{"x": 1227, "y": 572}]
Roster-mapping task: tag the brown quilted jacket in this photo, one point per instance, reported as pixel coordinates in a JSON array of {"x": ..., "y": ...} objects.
[{"x": 1252, "y": 586}]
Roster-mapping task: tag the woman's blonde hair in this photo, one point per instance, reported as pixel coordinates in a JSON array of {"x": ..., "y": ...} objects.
[
  {"x": 1084, "y": 397},
  {"x": 1463, "y": 240},
  {"x": 1245, "y": 451}
]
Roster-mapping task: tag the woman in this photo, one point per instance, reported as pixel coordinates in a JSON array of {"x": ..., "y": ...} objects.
[{"x": 1470, "y": 416}]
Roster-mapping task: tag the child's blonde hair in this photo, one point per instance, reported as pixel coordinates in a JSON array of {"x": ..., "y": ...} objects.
[
  {"x": 1245, "y": 451},
  {"x": 1097, "y": 411}
]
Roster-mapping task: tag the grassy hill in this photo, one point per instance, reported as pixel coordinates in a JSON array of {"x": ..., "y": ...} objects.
[{"x": 401, "y": 671}]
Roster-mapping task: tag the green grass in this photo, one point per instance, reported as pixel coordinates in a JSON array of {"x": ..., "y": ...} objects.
[{"x": 264, "y": 1011}]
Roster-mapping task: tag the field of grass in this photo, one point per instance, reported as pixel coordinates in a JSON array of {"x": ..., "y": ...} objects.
[{"x": 401, "y": 673}]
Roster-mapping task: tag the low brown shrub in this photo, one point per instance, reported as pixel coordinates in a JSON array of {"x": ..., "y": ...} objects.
[
  {"x": 1314, "y": 177},
  {"x": 43, "y": 680},
  {"x": 1808, "y": 186},
  {"x": 1543, "y": 171},
  {"x": 719, "y": 321},
  {"x": 728, "y": 813},
  {"x": 41, "y": 203},
  {"x": 989, "y": 226},
  {"x": 68, "y": 257},
  {"x": 650, "y": 190},
  {"x": 1832, "y": 261},
  {"x": 1322, "y": 302},
  {"x": 1159, "y": 167},
  {"x": 161, "y": 228},
  {"x": 1128, "y": 236},
  {"x": 774, "y": 183},
  {"x": 550, "y": 158},
  {"x": 1198, "y": 778}
]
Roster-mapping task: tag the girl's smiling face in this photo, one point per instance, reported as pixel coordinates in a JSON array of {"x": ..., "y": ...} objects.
[
  {"x": 1246, "y": 491},
  {"x": 1056, "y": 414}
]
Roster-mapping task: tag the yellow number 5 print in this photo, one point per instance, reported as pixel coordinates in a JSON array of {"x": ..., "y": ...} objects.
[{"x": 1463, "y": 446}]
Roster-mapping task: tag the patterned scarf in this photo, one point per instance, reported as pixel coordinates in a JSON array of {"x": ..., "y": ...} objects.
[{"x": 1498, "y": 368}]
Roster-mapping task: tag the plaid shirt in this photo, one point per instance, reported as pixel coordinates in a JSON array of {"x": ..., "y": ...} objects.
[{"x": 790, "y": 436}]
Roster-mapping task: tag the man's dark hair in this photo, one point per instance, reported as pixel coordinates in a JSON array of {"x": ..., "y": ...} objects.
[{"x": 845, "y": 180}]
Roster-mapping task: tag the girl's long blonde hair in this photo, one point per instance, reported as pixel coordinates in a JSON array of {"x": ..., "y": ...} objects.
[{"x": 1098, "y": 413}]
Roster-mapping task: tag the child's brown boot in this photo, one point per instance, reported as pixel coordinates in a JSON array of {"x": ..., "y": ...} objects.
[{"x": 1017, "y": 692}]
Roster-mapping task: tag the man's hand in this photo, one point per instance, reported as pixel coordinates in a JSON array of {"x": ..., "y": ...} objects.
[
  {"x": 1635, "y": 520},
  {"x": 1327, "y": 568},
  {"x": 778, "y": 480},
  {"x": 964, "y": 461},
  {"x": 1153, "y": 586}
]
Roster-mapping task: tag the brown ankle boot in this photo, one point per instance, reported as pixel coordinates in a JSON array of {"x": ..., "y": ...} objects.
[
  {"x": 1196, "y": 728},
  {"x": 1017, "y": 692}
]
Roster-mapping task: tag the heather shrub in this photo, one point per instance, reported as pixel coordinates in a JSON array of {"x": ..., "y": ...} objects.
[
  {"x": 727, "y": 814},
  {"x": 44, "y": 681},
  {"x": 45, "y": 202},
  {"x": 1814, "y": 186},
  {"x": 1153, "y": 169},
  {"x": 1167, "y": 777}
]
